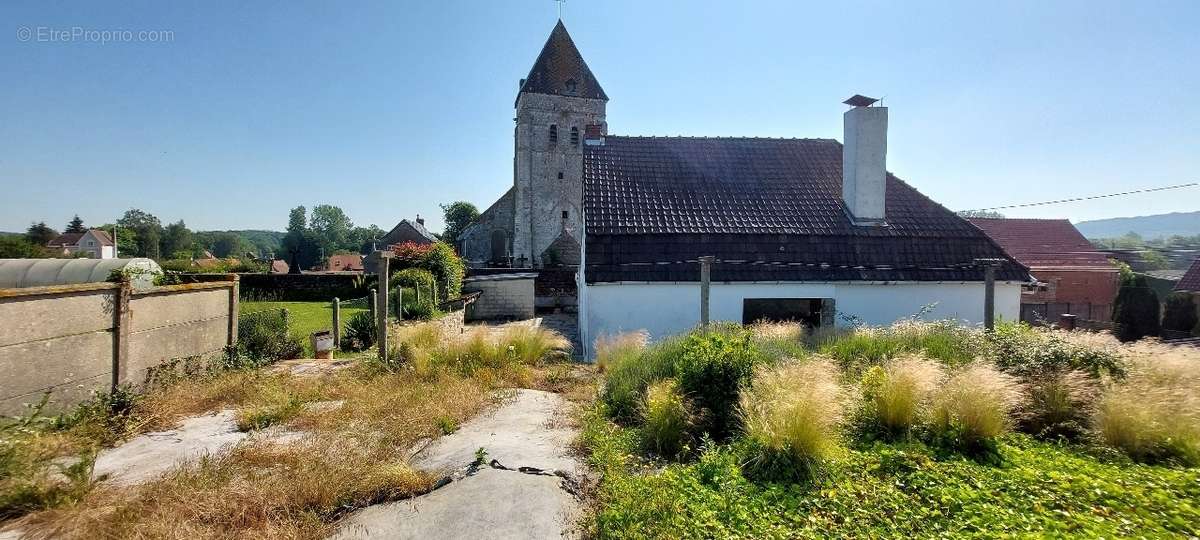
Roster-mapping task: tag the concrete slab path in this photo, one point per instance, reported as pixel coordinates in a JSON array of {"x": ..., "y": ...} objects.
[
  {"x": 527, "y": 490},
  {"x": 151, "y": 454}
]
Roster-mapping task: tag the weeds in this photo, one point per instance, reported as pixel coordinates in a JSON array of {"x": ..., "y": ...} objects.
[
  {"x": 1153, "y": 415},
  {"x": 666, "y": 419}
]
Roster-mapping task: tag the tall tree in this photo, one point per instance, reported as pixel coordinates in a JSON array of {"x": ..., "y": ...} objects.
[
  {"x": 148, "y": 230},
  {"x": 365, "y": 237},
  {"x": 15, "y": 247},
  {"x": 76, "y": 225},
  {"x": 457, "y": 215},
  {"x": 40, "y": 234},
  {"x": 1179, "y": 314},
  {"x": 332, "y": 228},
  {"x": 300, "y": 247},
  {"x": 176, "y": 241},
  {"x": 226, "y": 244}
]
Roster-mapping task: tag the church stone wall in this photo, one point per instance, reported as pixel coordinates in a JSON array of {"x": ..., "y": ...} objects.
[
  {"x": 541, "y": 196},
  {"x": 475, "y": 243}
]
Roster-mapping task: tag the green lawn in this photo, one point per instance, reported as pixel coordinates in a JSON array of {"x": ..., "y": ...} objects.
[{"x": 304, "y": 317}]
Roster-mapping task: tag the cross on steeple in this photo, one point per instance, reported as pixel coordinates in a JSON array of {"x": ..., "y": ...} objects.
[{"x": 560, "y": 6}]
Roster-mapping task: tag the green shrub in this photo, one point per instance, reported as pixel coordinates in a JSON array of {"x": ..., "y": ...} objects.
[
  {"x": 631, "y": 371},
  {"x": 711, "y": 369},
  {"x": 265, "y": 336},
  {"x": 973, "y": 406},
  {"x": 1153, "y": 415},
  {"x": 360, "y": 331},
  {"x": 665, "y": 419},
  {"x": 791, "y": 415},
  {"x": 1179, "y": 313},
  {"x": 897, "y": 395},
  {"x": 1019, "y": 349},
  {"x": 860, "y": 348},
  {"x": 419, "y": 297},
  {"x": 437, "y": 258},
  {"x": 1058, "y": 405},
  {"x": 1136, "y": 309}
]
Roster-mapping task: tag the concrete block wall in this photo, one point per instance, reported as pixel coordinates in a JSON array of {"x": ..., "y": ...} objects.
[
  {"x": 504, "y": 297},
  {"x": 76, "y": 340}
]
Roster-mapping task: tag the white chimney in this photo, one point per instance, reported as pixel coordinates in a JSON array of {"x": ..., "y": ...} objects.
[{"x": 864, "y": 160}]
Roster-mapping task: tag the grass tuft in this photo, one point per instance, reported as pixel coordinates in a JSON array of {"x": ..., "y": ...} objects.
[
  {"x": 900, "y": 397},
  {"x": 666, "y": 419},
  {"x": 1153, "y": 415},
  {"x": 974, "y": 405}
]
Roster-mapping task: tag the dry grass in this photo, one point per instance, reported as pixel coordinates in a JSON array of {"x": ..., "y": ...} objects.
[
  {"x": 611, "y": 350},
  {"x": 355, "y": 455},
  {"x": 1059, "y": 404},
  {"x": 1154, "y": 413},
  {"x": 976, "y": 403},
  {"x": 792, "y": 413},
  {"x": 903, "y": 394}
]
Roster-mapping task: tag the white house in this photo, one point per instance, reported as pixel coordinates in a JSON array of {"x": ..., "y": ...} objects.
[
  {"x": 800, "y": 229},
  {"x": 95, "y": 244}
]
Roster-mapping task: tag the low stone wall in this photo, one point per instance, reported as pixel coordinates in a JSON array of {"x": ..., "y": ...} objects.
[
  {"x": 304, "y": 287},
  {"x": 502, "y": 297},
  {"x": 75, "y": 340},
  {"x": 451, "y": 323}
]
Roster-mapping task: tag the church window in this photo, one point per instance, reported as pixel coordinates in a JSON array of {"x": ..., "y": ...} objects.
[
  {"x": 574, "y": 136},
  {"x": 560, "y": 176},
  {"x": 571, "y": 86},
  {"x": 553, "y": 135},
  {"x": 564, "y": 214}
]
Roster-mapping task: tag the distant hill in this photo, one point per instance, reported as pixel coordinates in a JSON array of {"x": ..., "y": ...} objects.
[
  {"x": 4, "y": 234},
  {"x": 1161, "y": 225}
]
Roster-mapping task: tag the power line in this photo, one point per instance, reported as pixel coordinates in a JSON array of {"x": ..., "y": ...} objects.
[{"x": 1076, "y": 199}]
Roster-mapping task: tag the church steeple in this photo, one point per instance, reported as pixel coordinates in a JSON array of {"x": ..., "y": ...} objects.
[{"x": 561, "y": 71}]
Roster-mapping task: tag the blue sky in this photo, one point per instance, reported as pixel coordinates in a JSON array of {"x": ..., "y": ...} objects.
[{"x": 389, "y": 108}]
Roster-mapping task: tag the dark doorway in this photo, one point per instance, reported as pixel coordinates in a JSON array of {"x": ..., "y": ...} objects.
[
  {"x": 499, "y": 246},
  {"x": 802, "y": 310}
]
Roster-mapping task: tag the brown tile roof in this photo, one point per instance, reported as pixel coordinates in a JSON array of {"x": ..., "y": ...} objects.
[
  {"x": 561, "y": 70},
  {"x": 103, "y": 236},
  {"x": 65, "y": 239},
  {"x": 1045, "y": 243},
  {"x": 769, "y": 209},
  {"x": 1190, "y": 280}
]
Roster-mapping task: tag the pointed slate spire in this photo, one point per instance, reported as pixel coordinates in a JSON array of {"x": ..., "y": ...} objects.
[{"x": 561, "y": 71}]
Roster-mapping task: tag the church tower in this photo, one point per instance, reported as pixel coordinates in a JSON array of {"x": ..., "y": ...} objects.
[{"x": 560, "y": 109}]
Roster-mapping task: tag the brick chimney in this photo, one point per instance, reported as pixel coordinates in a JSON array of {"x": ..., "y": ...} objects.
[
  {"x": 864, "y": 161},
  {"x": 420, "y": 220}
]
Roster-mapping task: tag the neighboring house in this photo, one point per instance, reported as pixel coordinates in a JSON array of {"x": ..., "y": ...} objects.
[
  {"x": 796, "y": 235},
  {"x": 95, "y": 244},
  {"x": 1190, "y": 282},
  {"x": 345, "y": 262},
  {"x": 279, "y": 266},
  {"x": 408, "y": 231},
  {"x": 1074, "y": 276}
]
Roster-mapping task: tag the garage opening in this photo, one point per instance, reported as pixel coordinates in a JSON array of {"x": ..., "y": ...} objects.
[{"x": 812, "y": 312}]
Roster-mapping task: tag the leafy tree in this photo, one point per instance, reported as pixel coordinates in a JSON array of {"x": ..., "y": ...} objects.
[
  {"x": 1179, "y": 314},
  {"x": 364, "y": 237},
  {"x": 300, "y": 246},
  {"x": 298, "y": 219},
  {"x": 176, "y": 238},
  {"x": 76, "y": 225},
  {"x": 1136, "y": 309},
  {"x": 457, "y": 215},
  {"x": 226, "y": 245},
  {"x": 147, "y": 229},
  {"x": 332, "y": 228},
  {"x": 1154, "y": 260},
  {"x": 40, "y": 234},
  {"x": 15, "y": 247},
  {"x": 126, "y": 239}
]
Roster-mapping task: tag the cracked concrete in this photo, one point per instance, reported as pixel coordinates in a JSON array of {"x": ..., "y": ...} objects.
[
  {"x": 150, "y": 455},
  {"x": 528, "y": 490}
]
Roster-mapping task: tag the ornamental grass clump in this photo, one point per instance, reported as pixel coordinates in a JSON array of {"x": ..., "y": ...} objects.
[
  {"x": 612, "y": 350},
  {"x": 974, "y": 406},
  {"x": 1058, "y": 405},
  {"x": 900, "y": 396},
  {"x": 631, "y": 371},
  {"x": 666, "y": 419},
  {"x": 1153, "y": 415},
  {"x": 791, "y": 415},
  {"x": 779, "y": 340},
  {"x": 944, "y": 341}
]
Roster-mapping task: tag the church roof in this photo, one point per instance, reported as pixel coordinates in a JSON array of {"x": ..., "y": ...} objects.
[
  {"x": 769, "y": 210},
  {"x": 561, "y": 71}
]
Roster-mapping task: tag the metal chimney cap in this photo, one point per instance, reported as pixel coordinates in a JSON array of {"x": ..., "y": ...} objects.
[{"x": 859, "y": 100}]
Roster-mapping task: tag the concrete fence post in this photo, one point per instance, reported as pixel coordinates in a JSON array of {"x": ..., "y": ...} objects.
[
  {"x": 234, "y": 291},
  {"x": 705, "y": 279},
  {"x": 337, "y": 323},
  {"x": 122, "y": 325},
  {"x": 381, "y": 306},
  {"x": 989, "y": 297}
]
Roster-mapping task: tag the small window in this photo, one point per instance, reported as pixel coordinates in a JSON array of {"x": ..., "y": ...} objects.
[
  {"x": 553, "y": 135},
  {"x": 571, "y": 86},
  {"x": 91, "y": 243},
  {"x": 574, "y": 136},
  {"x": 565, "y": 214},
  {"x": 560, "y": 176}
]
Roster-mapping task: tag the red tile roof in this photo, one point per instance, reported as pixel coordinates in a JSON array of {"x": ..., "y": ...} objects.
[
  {"x": 345, "y": 262},
  {"x": 1045, "y": 243},
  {"x": 1190, "y": 280}
]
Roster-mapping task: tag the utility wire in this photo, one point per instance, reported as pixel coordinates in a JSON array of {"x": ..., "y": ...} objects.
[{"x": 1076, "y": 199}]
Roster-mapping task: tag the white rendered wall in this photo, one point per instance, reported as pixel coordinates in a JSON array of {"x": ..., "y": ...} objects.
[{"x": 670, "y": 308}]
